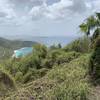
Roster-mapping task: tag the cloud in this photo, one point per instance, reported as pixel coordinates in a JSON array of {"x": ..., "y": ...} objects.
[
  {"x": 6, "y": 10},
  {"x": 54, "y": 11},
  {"x": 21, "y": 11},
  {"x": 50, "y": 2},
  {"x": 78, "y": 6},
  {"x": 37, "y": 11},
  {"x": 60, "y": 9},
  {"x": 16, "y": 11},
  {"x": 21, "y": 4},
  {"x": 96, "y": 5},
  {"x": 2, "y": 14}
]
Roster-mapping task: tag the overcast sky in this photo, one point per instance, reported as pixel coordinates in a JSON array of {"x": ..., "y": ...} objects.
[{"x": 44, "y": 17}]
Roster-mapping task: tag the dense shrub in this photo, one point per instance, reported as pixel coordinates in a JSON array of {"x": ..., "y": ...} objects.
[
  {"x": 95, "y": 61},
  {"x": 71, "y": 80},
  {"x": 40, "y": 50},
  {"x": 80, "y": 45},
  {"x": 63, "y": 82},
  {"x": 76, "y": 91},
  {"x": 34, "y": 74},
  {"x": 67, "y": 57},
  {"x": 51, "y": 57},
  {"x": 32, "y": 61},
  {"x": 19, "y": 76},
  {"x": 6, "y": 78},
  {"x": 7, "y": 83},
  {"x": 57, "y": 57}
]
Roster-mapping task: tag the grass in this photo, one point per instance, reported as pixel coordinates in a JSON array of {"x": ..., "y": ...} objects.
[{"x": 68, "y": 81}]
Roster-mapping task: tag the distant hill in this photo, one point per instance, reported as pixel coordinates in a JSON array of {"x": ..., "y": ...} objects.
[
  {"x": 7, "y": 46},
  {"x": 47, "y": 40}
]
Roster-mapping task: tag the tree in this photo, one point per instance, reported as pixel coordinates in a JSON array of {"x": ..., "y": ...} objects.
[
  {"x": 95, "y": 62},
  {"x": 91, "y": 25},
  {"x": 59, "y": 46},
  {"x": 40, "y": 50}
]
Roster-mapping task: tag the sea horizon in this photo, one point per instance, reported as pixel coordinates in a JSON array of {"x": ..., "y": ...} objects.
[{"x": 46, "y": 40}]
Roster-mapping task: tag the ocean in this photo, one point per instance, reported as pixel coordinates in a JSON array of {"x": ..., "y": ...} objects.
[{"x": 48, "y": 41}]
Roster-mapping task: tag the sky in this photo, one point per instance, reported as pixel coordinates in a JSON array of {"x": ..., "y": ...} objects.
[{"x": 44, "y": 17}]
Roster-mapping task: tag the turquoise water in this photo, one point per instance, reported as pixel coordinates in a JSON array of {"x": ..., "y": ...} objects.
[{"x": 23, "y": 51}]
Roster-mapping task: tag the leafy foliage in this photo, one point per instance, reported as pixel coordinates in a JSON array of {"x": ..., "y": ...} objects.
[
  {"x": 91, "y": 23},
  {"x": 7, "y": 83},
  {"x": 79, "y": 45},
  {"x": 64, "y": 82},
  {"x": 55, "y": 73},
  {"x": 95, "y": 61}
]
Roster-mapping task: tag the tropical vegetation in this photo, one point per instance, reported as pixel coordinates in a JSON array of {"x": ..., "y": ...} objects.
[{"x": 71, "y": 72}]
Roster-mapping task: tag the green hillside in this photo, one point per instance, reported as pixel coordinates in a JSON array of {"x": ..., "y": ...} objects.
[
  {"x": 8, "y": 46},
  {"x": 48, "y": 74},
  {"x": 63, "y": 82}
]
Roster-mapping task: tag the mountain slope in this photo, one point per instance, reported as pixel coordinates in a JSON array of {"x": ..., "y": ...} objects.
[
  {"x": 7, "y": 46},
  {"x": 64, "y": 82}
]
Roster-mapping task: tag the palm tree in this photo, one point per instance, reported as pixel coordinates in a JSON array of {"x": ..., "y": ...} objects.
[
  {"x": 91, "y": 28},
  {"x": 91, "y": 25}
]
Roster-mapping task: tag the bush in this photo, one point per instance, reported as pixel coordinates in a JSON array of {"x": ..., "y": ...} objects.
[
  {"x": 18, "y": 76},
  {"x": 57, "y": 57},
  {"x": 7, "y": 83},
  {"x": 40, "y": 50},
  {"x": 34, "y": 74},
  {"x": 71, "y": 81},
  {"x": 80, "y": 45},
  {"x": 95, "y": 61},
  {"x": 51, "y": 57},
  {"x": 64, "y": 82},
  {"x": 76, "y": 91},
  {"x": 67, "y": 57}
]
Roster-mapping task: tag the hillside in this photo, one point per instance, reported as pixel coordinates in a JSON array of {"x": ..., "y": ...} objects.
[
  {"x": 54, "y": 73},
  {"x": 7, "y": 46},
  {"x": 48, "y": 74},
  {"x": 15, "y": 43},
  {"x": 64, "y": 82}
]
